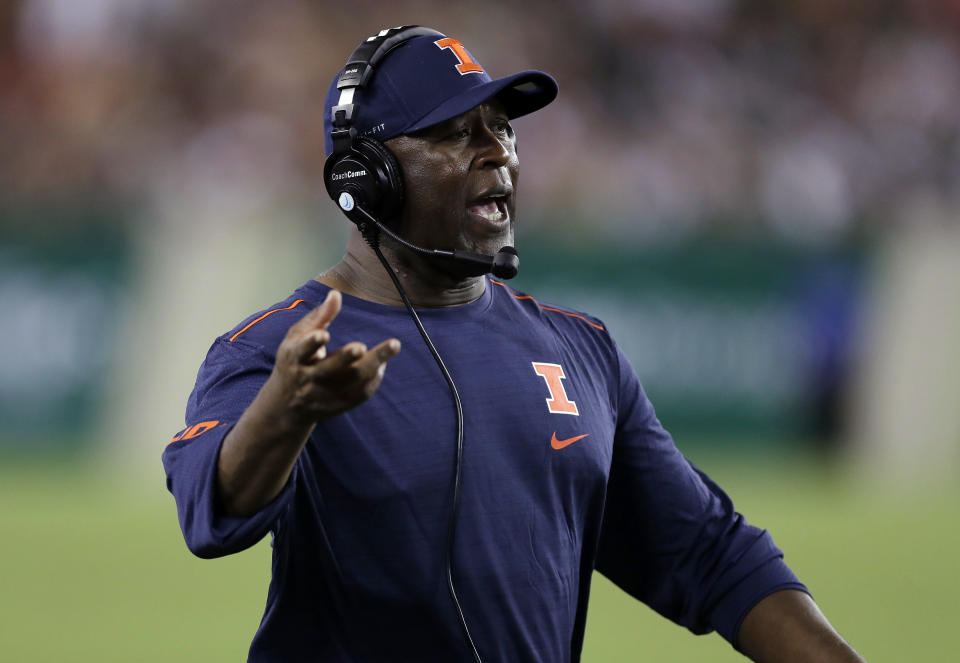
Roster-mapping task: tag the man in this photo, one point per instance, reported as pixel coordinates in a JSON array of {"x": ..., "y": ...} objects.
[{"x": 407, "y": 529}]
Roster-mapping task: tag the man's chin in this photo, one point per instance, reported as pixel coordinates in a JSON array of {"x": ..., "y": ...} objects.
[
  {"x": 488, "y": 240},
  {"x": 457, "y": 269}
]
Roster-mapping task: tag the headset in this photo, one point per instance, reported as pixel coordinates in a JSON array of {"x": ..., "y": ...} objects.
[
  {"x": 364, "y": 177},
  {"x": 360, "y": 166},
  {"x": 365, "y": 180}
]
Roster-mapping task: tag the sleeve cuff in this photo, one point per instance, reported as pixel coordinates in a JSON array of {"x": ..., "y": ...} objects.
[
  {"x": 191, "y": 476},
  {"x": 732, "y": 609}
]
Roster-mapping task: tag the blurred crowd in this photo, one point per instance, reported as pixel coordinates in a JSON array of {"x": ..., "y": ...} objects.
[{"x": 818, "y": 120}]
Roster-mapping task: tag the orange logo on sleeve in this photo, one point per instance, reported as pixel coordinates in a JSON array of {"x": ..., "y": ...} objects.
[
  {"x": 467, "y": 65},
  {"x": 552, "y": 374},
  {"x": 195, "y": 430}
]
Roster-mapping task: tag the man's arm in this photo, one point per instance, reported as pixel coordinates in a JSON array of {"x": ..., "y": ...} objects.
[
  {"x": 788, "y": 627},
  {"x": 305, "y": 387}
]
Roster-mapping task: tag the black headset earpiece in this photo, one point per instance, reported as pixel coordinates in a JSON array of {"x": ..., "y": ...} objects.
[
  {"x": 366, "y": 174},
  {"x": 362, "y": 171}
]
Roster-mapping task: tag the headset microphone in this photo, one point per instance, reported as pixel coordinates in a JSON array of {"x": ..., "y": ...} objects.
[{"x": 505, "y": 264}]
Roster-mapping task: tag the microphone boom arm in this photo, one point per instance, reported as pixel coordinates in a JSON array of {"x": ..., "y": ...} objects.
[{"x": 505, "y": 264}]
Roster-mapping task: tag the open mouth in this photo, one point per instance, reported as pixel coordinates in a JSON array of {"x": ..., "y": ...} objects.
[{"x": 489, "y": 208}]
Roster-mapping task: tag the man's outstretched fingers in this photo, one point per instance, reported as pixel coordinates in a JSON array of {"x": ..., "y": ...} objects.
[
  {"x": 312, "y": 347},
  {"x": 330, "y": 308},
  {"x": 321, "y": 316},
  {"x": 375, "y": 360},
  {"x": 387, "y": 349},
  {"x": 340, "y": 360}
]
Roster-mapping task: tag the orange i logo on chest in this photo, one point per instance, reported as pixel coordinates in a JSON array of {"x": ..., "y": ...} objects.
[{"x": 552, "y": 374}]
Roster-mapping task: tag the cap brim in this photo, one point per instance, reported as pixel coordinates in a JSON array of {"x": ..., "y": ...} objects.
[{"x": 520, "y": 94}]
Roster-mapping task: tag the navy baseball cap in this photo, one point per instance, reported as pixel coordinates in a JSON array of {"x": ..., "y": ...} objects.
[{"x": 430, "y": 79}]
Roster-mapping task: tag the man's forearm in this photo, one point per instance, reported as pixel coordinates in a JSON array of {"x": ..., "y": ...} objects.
[
  {"x": 258, "y": 455},
  {"x": 788, "y": 627}
]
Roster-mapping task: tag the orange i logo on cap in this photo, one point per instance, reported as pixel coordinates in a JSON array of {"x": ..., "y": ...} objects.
[{"x": 467, "y": 65}]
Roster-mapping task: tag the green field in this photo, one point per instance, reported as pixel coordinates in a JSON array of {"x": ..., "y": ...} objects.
[{"x": 94, "y": 569}]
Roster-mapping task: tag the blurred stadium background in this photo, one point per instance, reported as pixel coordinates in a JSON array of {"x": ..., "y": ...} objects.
[{"x": 762, "y": 199}]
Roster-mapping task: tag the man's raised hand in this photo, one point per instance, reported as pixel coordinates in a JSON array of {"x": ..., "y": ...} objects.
[{"x": 315, "y": 384}]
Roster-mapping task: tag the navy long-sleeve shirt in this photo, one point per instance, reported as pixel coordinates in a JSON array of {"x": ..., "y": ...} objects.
[{"x": 565, "y": 469}]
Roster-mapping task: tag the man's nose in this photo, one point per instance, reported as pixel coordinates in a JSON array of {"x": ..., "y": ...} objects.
[{"x": 493, "y": 152}]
